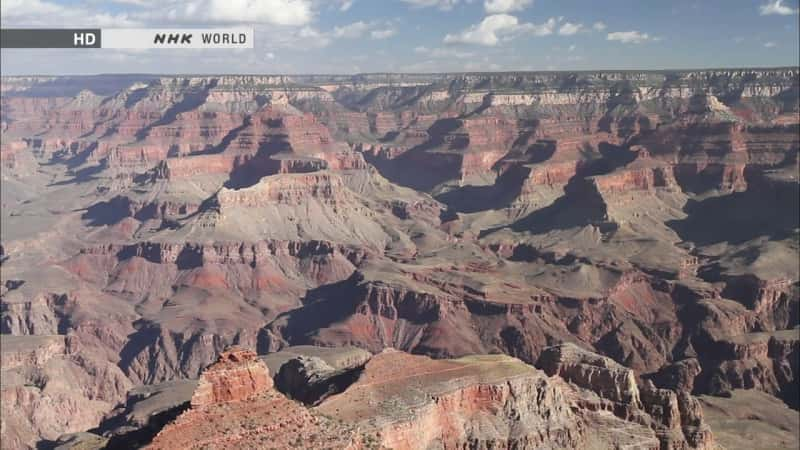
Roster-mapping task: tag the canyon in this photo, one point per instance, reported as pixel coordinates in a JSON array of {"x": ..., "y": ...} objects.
[{"x": 473, "y": 260}]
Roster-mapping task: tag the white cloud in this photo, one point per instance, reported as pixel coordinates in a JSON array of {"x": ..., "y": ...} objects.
[
  {"x": 443, "y": 52},
  {"x": 358, "y": 29},
  {"x": 346, "y": 4},
  {"x": 351, "y": 31},
  {"x": 505, "y": 6},
  {"x": 143, "y": 3},
  {"x": 629, "y": 37},
  {"x": 498, "y": 28},
  {"x": 44, "y": 13},
  {"x": 543, "y": 29},
  {"x": 383, "y": 34},
  {"x": 770, "y": 44},
  {"x": 599, "y": 26},
  {"x": 306, "y": 36},
  {"x": 488, "y": 32},
  {"x": 777, "y": 7},
  {"x": 444, "y": 5},
  {"x": 568, "y": 29},
  {"x": 19, "y": 8},
  {"x": 271, "y": 12},
  {"x": 270, "y": 55},
  {"x": 572, "y": 48},
  {"x": 158, "y": 12}
]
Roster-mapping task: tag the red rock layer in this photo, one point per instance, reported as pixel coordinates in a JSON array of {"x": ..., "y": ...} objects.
[
  {"x": 485, "y": 402},
  {"x": 186, "y": 167},
  {"x": 290, "y": 189},
  {"x": 551, "y": 174},
  {"x": 237, "y": 375},
  {"x": 235, "y": 406},
  {"x": 625, "y": 180}
]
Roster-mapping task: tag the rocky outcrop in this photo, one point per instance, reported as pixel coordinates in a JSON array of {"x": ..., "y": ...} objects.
[
  {"x": 39, "y": 315},
  {"x": 149, "y": 408},
  {"x": 310, "y": 374},
  {"x": 152, "y": 267},
  {"x": 344, "y": 160},
  {"x": 237, "y": 375},
  {"x": 599, "y": 374},
  {"x": 289, "y": 189},
  {"x": 678, "y": 376},
  {"x": 414, "y": 402},
  {"x": 49, "y": 387},
  {"x": 235, "y": 405},
  {"x": 22, "y": 352},
  {"x": 186, "y": 167},
  {"x": 340, "y": 359},
  {"x": 550, "y": 175},
  {"x": 675, "y": 416},
  {"x": 765, "y": 361},
  {"x": 634, "y": 179},
  {"x": 397, "y": 401},
  {"x": 310, "y": 379}
]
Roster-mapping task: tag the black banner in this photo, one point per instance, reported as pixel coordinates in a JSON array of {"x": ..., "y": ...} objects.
[{"x": 50, "y": 38}]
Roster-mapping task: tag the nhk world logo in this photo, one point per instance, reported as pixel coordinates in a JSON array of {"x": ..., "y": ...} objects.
[
  {"x": 130, "y": 38},
  {"x": 207, "y": 38}
]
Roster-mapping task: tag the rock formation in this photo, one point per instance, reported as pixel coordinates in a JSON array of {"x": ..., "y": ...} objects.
[
  {"x": 151, "y": 222},
  {"x": 414, "y": 402},
  {"x": 675, "y": 416},
  {"x": 237, "y": 375},
  {"x": 609, "y": 379},
  {"x": 397, "y": 400},
  {"x": 50, "y": 387},
  {"x": 235, "y": 404}
]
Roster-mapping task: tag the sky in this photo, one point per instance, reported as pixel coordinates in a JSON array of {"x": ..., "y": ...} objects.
[{"x": 360, "y": 36}]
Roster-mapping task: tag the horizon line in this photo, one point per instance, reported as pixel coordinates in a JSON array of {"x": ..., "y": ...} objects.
[{"x": 354, "y": 74}]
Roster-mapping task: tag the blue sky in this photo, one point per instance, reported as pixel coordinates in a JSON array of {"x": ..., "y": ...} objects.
[{"x": 348, "y": 36}]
